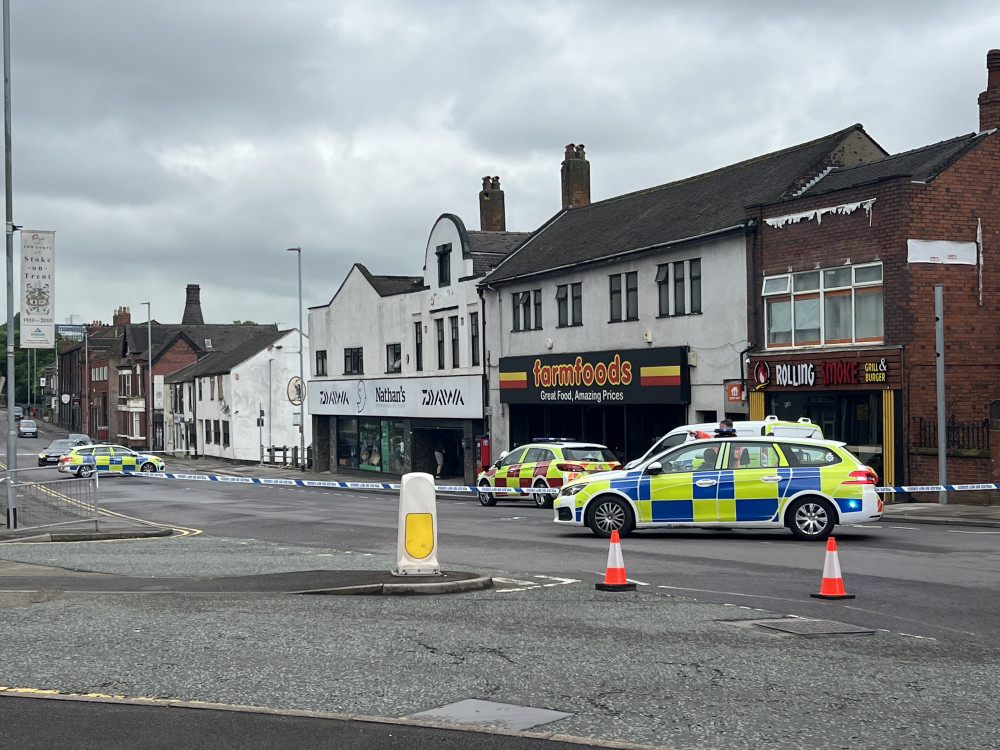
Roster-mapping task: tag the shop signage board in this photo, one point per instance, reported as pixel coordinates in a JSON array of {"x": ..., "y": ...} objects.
[
  {"x": 866, "y": 371},
  {"x": 629, "y": 376},
  {"x": 456, "y": 397}
]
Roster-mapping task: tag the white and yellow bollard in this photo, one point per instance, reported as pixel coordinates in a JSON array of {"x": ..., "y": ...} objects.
[{"x": 416, "y": 545}]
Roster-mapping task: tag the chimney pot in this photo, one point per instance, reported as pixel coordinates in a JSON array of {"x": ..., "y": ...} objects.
[
  {"x": 575, "y": 178},
  {"x": 492, "y": 216},
  {"x": 989, "y": 100}
]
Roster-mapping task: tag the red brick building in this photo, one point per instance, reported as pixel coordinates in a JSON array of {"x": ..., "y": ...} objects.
[{"x": 842, "y": 304}]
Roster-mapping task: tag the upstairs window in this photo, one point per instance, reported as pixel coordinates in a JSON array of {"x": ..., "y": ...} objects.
[
  {"x": 630, "y": 299},
  {"x": 523, "y": 304},
  {"x": 453, "y": 324},
  {"x": 474, "y": 337},
  {"x": 825, "y": 307},
  {"x": 443, "y": 253},
  {"x": 678, "y": 287},
  {"x": 418, "y": 345},
  {"x": 354, "y": 361},
  {"x": 439, "y": 324},
  {"x": 393, "y": 358},
  {"x": 569, "y": 304},
  {"x": 321, "y": 362}
]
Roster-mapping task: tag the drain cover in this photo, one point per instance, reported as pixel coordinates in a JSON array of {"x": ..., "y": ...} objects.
[
  {"x": 813, "y": 628},
  {"x": 505, "y": 715}
]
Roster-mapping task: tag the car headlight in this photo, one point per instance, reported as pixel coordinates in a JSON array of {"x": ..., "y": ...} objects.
[{"x": 568, "y": 490}]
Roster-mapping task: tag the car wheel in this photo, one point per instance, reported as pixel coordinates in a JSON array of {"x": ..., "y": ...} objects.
[
  {"x": 607, "y": 514},
  {"x": 148, "y": 468},
  {"x": 85, "y": 470},
  {"x": 541, "y": 499},
  {"x": 811, "y": 519},
  {"x": 487, "y": 499}
]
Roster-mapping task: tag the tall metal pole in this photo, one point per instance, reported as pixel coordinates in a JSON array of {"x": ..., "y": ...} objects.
[
  {"x": 302, "y": 376},
  {"x": 149, "y": 373},
  {"x": 942, "y": 430},
  {"x": 11, "y": 425}
]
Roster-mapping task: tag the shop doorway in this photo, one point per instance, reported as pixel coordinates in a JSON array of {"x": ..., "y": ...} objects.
[{"x": 429, "y": 442}]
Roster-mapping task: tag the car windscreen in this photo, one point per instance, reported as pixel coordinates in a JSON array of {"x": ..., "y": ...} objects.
[{"x": 592, "y": 453}]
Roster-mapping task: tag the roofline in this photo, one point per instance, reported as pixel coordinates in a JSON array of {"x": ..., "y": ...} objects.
[{"x": 624, "y": 253}]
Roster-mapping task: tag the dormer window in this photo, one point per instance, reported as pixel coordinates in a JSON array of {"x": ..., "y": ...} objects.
[
  {"x": 208, "y": 343},
  {"x": 443, "y": 253}
]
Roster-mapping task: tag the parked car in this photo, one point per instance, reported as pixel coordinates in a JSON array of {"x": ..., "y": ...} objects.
[
  {"x": 808, "y": 486},
  {"x": 80, "y": 438},
  {"x": 27, "y": 428},
  {"x": 543, "y": 464},
  {"x": 770, "y": 425},
  {"x": 18, "y": 413},
  {"x": 55, "y": 451},
  {"x": 84, "y": 460}
]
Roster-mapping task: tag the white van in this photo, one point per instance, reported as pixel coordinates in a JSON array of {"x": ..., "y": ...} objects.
[{"x": 770, "y": 425}]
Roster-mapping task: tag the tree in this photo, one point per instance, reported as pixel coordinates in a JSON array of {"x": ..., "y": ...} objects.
[{"x": 28, "y": 363}]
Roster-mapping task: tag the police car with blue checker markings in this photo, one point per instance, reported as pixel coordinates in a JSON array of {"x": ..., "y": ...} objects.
[
  {"x": 108, "y": 459},
  {"x": 806, "y": 485}
]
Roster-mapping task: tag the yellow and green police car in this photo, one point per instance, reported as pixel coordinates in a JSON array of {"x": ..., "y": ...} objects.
[
  {"x": 543, "y": 464},
  {"x": 806, "y": 485},
  {"x": 84, "y": 460}
]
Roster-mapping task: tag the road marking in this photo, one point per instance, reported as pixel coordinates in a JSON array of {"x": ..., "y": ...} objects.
[
  {"x": 522, "y": 585},
  {"x": 958, "y": 531}
]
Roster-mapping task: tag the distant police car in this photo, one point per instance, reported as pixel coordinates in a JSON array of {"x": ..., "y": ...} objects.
[
  {"x": 806, "y": 485},
  {"x": 543, "y": 464},
  {"x": 86, "y": 459}
]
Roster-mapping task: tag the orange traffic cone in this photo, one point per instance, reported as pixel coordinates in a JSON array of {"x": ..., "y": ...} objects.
[
  {"x": 614, "y": 578},
  {"x": 833, "y": 582}
]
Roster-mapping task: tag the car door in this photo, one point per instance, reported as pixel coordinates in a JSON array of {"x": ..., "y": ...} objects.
[
  {"x": 124, "y": 459},
  {"x": 103, "y": 460},
  {"x": 686, "y": 487},
  {"x": 508, "y": 472},
  {"x": 751, "y": 486}
]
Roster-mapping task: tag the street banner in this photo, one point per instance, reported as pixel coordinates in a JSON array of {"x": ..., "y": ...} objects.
[{"x": 38, "y": 301}]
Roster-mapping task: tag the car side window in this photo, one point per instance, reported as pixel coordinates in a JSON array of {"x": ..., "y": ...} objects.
[
  {"x": 84, "y": 452},
  {"x": 545, "y": 454},
  {"x": 102, "y": 450},
  {"x": 514, "y": 457},
  {"x": 809, "y": 455},
  {"x": 701, "y": 457},
  {"x": 754, "y": 455},
  {"x": 532, "y": 455}
]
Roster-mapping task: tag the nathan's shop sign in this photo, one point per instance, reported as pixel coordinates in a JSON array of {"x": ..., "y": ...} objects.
[
  {"x": 826, "y": 373},
  {"x": 633, "y": 376},
  {"x": 456, "y": 397}
]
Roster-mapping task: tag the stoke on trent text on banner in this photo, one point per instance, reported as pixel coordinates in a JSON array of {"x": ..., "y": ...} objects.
[{"x": 38, "y": 301}]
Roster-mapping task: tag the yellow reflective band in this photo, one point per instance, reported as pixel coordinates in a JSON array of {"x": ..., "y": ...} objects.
[{"x": 419, "y": 535}]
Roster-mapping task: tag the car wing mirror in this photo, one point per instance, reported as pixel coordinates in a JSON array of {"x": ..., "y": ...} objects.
[{"x": 655, "y": 468}]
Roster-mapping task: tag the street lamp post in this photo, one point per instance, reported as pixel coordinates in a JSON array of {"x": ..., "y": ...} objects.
[
  {"x": 302, "y": 377},
  {"x": 149, "y": 373}
]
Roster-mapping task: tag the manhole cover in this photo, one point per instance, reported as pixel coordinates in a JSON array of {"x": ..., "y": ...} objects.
[
  {"x": 493, "y": 714},
  {"x": 813, "y": 628}
]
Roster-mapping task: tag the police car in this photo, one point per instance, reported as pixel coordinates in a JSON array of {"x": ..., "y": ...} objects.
[
  {"x": 114, "y": 459},
  {"x": 806, "y": 485},
  {"x": 543, "y": 464}
]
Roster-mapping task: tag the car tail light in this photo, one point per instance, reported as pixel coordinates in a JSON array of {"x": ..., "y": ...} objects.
[
  {"x": 865, "y": 475},
  {"x": 570, "y": 467}
]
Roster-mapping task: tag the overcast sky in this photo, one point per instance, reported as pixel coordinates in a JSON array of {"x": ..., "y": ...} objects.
[{"x": 193, "y": 141}]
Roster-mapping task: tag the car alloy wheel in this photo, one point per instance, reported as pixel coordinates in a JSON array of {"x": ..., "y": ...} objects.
[
  {"x": 607, "y": 514},
  {"x": 148, "y": 468},
  {"x": 486, "y": 499},
  {"x": 811, "y": 519},
  {"x": 542, "y": 499},
  {"x": 85, "y": 470}
]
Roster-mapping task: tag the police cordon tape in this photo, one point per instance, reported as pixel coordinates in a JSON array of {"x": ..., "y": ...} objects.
[
  {"x": 468, "y": 488},
  {"x": 320, "y": 483}
]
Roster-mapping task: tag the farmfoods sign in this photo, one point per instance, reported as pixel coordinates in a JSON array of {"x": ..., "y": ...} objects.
[{"x": 631, "y": 376}]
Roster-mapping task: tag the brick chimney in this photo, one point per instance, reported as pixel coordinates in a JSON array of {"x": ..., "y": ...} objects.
[
  {"x": 989, "y": 100},
  {"x": 491, "y": 209},
  {"x": 575, "y": 178},
  {"x": 192, "y": 307},
  {"x": 122, "y": 316}
]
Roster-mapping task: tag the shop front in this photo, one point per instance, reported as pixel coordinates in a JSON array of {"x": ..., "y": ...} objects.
[
  {"x": 397, "y": 425},
  {"x": 624, "y": 399},
  {"x": 854, "y": 396}
]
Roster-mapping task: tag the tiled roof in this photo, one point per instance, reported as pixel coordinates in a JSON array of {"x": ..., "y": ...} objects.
[
  {"x": 221, "y": 362},
  {"x": 489, "y": 248},
  {"x": 696, "y": 206},
  {"x": 224, "y": 337},
  {"x": 387, "y": 286},
  {"x": 920, "y": 164}
]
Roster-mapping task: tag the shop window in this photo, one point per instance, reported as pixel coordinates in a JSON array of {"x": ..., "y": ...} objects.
[
  {"x": 370, "y": 444},
  {"x": 347, "y": 442},
  {"x": 842, "y": 305}
]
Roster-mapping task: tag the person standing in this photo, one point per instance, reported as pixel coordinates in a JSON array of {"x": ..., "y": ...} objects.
[{"x": 439, "y": 458}]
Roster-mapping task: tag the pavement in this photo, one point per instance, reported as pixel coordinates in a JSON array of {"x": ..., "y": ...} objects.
[{"x": 197, "y": 621}]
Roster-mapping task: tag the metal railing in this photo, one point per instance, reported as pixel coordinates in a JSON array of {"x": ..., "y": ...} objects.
[
  {"x": 61, "y": 502},
  {"x": 973, "y": 436}
]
